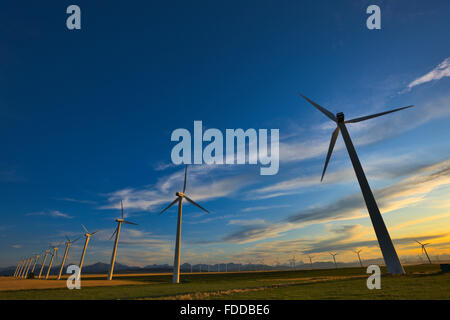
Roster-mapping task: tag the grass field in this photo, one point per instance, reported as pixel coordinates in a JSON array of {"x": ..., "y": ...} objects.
[{"x": 421, "y": 282}]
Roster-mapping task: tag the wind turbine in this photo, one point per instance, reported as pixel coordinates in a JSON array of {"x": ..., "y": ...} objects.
[
  {"x": 35, "y": 262},
  {"x": 22, "y": 272},
  {"x": 424, "y": 249},
  {"x": 387, "y": 247},
  {"x": 66, "y": 252},
  {"x": 334, "y": 258},
  {"x": 117, "y": 233},
  {"x": 179, "y": 198},
  {"x": 54, "y": 253},
  {"x": 310, "y": 261},
  {"x": 43, "y": 262},
  {"x": 359, "y": 257},
  {"x": 17, "y": 268},
  {"x": 25, "y": 275},
  {"x": 88, "y": 236},
  {"x": 21, "y": 264}
]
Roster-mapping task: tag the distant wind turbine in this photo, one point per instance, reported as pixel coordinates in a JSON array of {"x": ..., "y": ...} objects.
[
  {"x": 43, "y": 263},
  {"x": 25, "y": 268},
  {"x": 334, "y": 258},
  {"x": 66, "y": 252},
  {"x": 359, "y": 257},
  {"x": 310, "y": 261},
  {"x": 88, "y": 236},
  {"x": 117, "y": 233},
  {"x": 180, "y": 196},
  {"x": 387, "y": 248},
  {"x": 36, "y": 258},
  {"x": 424, "y": 250},
  {"x": 54, "y": 253},
  {"x": 17, "y": 268}
]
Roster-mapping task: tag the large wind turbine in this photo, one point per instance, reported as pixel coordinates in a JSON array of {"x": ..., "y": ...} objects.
[
  {"x": 387, "y": 248},
  {"x": 88, "y": 236},
  {"x": 179, "y": 199},
  {"x": 359, "y": 257},
  {"x": 54, "y": 253},
  {"x": 43, "y": 263},
  {"x": 21, "y": 264},
  {"x": 424, "y": 249},
  {"x": 66, "y": 252},
  {"x": 17, "y": 268},
  {"x": 117, "y": 232},
  {"x": 334, "y": 258}
]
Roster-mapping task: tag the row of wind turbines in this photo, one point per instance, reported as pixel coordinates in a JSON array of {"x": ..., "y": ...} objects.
[
  {"x": 23, "y": 268},
  {"x": 384, "y": 240}
]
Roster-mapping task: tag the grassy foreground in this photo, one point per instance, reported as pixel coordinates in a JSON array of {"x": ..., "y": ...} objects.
[{"x": 421, "y": 282}]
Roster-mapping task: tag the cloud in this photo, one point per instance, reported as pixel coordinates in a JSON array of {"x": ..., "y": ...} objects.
[
  {"x": 76, "y": 200},
  {"x": 441, "y": 71},
  {"x": 402, "y": 194},
  {"x": 52, "y": 213},
  {"x": 16, "y": 246},
  {"x": 259, "y": 208},
  {"x": 247, "y": 222}
]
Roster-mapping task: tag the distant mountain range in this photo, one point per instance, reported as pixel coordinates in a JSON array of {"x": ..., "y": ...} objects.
[{"x": 101, "y": 267}]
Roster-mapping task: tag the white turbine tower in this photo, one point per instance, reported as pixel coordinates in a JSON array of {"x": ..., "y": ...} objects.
[
  {"x": 334, "y": 258},
  {"x": 35, "y": 262},
  {"x": 43, "y": 263},
  {"x": 359, "y": 257},
  {"x": 424, "y": 250},
  {"x": 28, "y": 268},
  {"x": 384, "y": 240},
  {"x": 19, "y": 271},
  {"x": 25, "y": 267},
  {"x": 179, "y": 200},
  {"x": 117, "y": 233},
  {"x": 17, "y": 268},
  {"x": 310, "y": 261},
  {"x": 66, "y": 252},
  {"x": 54, "y": 254},
  {"x": 88, "y": 236}
]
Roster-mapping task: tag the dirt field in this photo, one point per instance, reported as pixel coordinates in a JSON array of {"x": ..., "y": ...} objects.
[{"x": 10, "y": 283}]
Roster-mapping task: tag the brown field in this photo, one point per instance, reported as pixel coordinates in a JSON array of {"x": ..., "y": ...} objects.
[{"x": 11, "y": 283}]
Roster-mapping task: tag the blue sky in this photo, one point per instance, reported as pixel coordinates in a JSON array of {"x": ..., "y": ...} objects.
[{"x": 86, "y": 118}]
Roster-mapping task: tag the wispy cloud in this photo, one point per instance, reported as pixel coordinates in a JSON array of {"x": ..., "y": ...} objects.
[
  {"x": 52, "y": 213},
  {"x": 439, "y": 72},
  {"x": 404, "y": 193}
]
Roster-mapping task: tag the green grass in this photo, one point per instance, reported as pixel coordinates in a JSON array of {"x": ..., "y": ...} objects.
[{"x": 421, "y": 282}]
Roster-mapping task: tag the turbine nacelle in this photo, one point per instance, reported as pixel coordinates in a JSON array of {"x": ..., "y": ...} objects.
[
  {"x": 340, "y": 117},
  {"x": 179, "y": 194}
]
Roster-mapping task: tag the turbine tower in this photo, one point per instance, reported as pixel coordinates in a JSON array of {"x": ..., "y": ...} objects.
[
  {"x": 88, "y": 236},
  {"x": 179, "y": 199},
  {"x": 117, "y": 232},
  {"x": 25, "y": 275},
  {"x": 387, "y": 247},
  {"x": 334, "y": 258},
  {"x": 359, "y": 257},
  {"x": 43, "y": 263},
  {"x": 19, "y": 272},
  {"x": 54, "y": 253},
  {"x": 424, "y": 250},
  {"x": 310, "y": 261},
  {"x": 35, "y": 262},
  {"x": 17, "y": 268},
  {"x": 66, "y": 252}
]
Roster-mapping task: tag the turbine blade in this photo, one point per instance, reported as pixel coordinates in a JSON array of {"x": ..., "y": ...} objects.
[
  {"x": 76, "y": 240},
  {"x": 85, "y": 228},
  {"x": 115, "y": 231},
  {"x": 185, "y": 176},
  {"x": 322, "y": 109},
  {"x": 195, "y": 204},
  {"x": 171, "y": 204},
  {"x": 375, "y": 115},
  {"x": 334, "y": 137},
  {"x": 129, "y": 222},
  {"x": 94, "y": 232},
  {"x": 121, "y": 204},
  {"x": 418, "y": 242},
  {"x": 67, "y": 238}
]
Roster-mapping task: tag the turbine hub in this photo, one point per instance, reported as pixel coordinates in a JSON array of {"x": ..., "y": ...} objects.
[
  {"x": 340, "y": 116},
  {"x": 120, "y": 220},
  {"x": 179, "y": 194}
]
